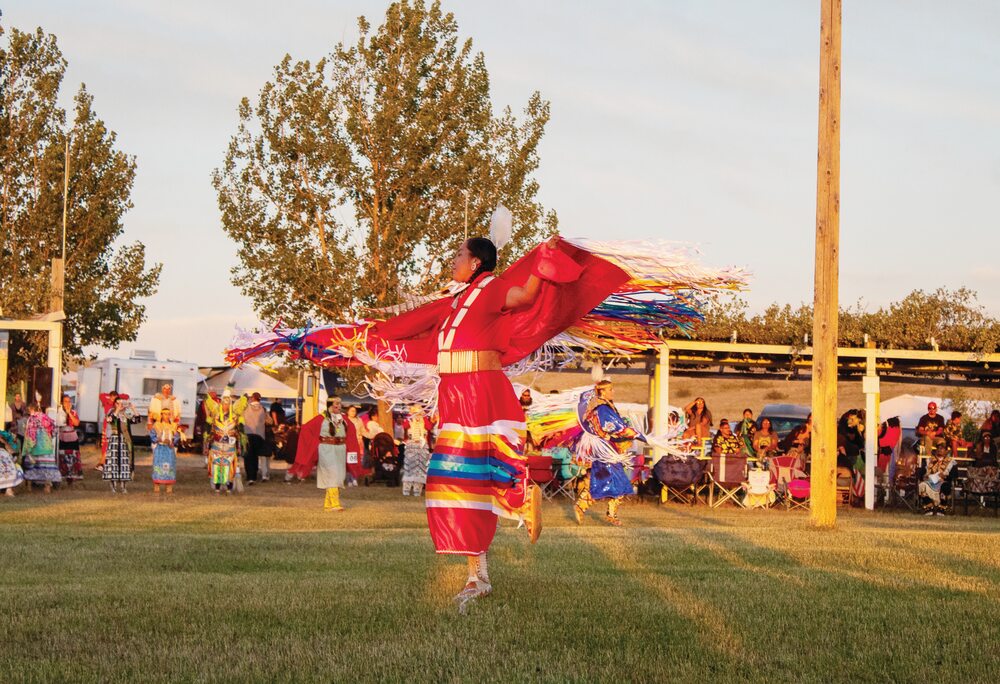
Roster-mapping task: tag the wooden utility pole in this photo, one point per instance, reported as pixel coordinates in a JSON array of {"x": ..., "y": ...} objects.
[{"x": 825, "y": 297}]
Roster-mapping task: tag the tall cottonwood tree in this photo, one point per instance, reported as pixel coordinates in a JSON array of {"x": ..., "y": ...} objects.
[
  {"x": 347, "y": 178},
  {"x": 103, "y": 285}
]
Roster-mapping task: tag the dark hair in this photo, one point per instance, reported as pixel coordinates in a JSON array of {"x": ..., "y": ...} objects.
[
  {"x": 770, "y": 425},
  {"x": 746, "y": 409},
  {"x": 956, "y": 414},
  {"x": 484, "y": 250}
]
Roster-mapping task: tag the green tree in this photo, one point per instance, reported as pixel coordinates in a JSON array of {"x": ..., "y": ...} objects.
[
  {"x": 346, "y": 179},
  {"x": 950, "y": 320},
  {"x": 102, "y": 284}
]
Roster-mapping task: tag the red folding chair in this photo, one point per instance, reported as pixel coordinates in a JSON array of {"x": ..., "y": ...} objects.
[
  {"x": 728, "y": 474},
  {"x": 793, "y": 487},
  {"x": 541, "y": 473}
]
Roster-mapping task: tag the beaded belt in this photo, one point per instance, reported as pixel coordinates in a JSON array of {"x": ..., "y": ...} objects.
[
  {"x": 332, "y": 440},
  {"x": 468, "y": 361}
]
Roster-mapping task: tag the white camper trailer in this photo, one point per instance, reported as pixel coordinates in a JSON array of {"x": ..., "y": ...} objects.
[{"x": 140, "y": 377}]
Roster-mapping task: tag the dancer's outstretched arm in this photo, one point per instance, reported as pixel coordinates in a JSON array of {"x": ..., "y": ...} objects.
[{"x": 550, "y": 264}]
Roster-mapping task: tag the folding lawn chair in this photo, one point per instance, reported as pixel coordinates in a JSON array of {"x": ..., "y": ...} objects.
[
  {"x": 679, "y": 477},
  {"x": 982, "y": 483},
  {"x": 566, "y": 472},
  {"x": 759, "y": 490},
  {"x": 728, "y": 474},
  {"x": 903, "y": 488},
  {"x": 541, "y": 473},
  {"x": 789, "y": 481},
  {"x": 844, "y": 481}
]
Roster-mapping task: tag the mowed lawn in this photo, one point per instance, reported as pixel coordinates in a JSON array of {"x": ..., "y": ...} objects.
[{"x": 268, "y": 587}]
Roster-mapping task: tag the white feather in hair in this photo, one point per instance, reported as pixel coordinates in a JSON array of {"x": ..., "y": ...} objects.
[{"x": 501, "y": 226}]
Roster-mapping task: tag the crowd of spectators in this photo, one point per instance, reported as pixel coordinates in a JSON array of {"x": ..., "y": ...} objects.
[{"x": 932, "y": 462}]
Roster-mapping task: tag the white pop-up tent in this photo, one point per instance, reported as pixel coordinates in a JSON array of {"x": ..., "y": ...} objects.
[
  {"x": 910, "y": 408},
  {"x": 248, "y": 380}
]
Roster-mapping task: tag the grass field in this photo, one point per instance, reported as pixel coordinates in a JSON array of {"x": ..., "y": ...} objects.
[{"x": 268, "y": 587}]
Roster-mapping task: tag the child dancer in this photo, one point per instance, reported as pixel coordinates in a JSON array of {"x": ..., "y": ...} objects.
[{"x": 164, "y": 437}]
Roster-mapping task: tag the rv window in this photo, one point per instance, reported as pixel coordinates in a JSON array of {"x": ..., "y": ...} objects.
[{"x": 151, "y": 386}]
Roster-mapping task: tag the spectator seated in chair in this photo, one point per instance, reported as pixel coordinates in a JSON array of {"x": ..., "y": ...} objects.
[
  {"x": 765, "y": 440},
  {"x": 984, "y": 451},
  {"x": 850, "y": 438},
  {"x": 745, "y": 430},
  {"x": 698, "y": 419},
  {"x": 725, "y": 442},
  {"x": 992, "y": 425},
  {"x": 937, "y": 480},
  {"x": 953, "y": 434},
  {"x": 930, "y": 429},
  {"x": 800, "y": 438}
]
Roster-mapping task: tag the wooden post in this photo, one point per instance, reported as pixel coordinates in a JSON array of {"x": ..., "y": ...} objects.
[
  {"x": 870, "y": 385},
  {"x": 4, "y": 342},
  {"x": 825, "y": 299},
  {"x": 57, "y": 286},
  {"x": 661, "y": 404}
]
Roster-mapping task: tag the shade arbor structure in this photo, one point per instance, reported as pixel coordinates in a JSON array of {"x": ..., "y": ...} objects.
[{"x": 770, "y": 361}]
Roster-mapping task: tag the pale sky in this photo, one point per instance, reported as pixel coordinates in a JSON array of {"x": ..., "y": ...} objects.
[{"x": 687, "y": 120}]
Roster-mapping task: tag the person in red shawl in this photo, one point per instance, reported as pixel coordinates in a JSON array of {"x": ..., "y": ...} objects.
[
  {"x": 356, "y": 469},
  {"x": 477, "y": 470},
  {"x": 307, "y": 449}
]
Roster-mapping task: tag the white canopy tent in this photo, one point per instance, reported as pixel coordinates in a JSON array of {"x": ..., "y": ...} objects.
[
  {"x": 248, "y": 380},
  {"x": 909, "y": 407}
]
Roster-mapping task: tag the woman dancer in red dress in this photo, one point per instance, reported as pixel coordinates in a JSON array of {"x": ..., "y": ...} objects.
[{"x": 477, "y": 470}]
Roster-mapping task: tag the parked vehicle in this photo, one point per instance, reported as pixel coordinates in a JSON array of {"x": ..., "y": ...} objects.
[
  {"x": 141, "y": 376},
  {"x": 785, "y": 417}
]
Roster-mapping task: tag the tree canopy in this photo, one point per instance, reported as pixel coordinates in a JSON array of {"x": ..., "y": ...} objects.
[
  {"x": 103, "y": 284},
  {"x": 348, "y": 178},
  {"x": 950, "y": 320}
]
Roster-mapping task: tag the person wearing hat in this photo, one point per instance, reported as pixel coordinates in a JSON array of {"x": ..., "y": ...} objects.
[
  {"x": 930, "y": 429},
  {"x": 223, "y": 420}
]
